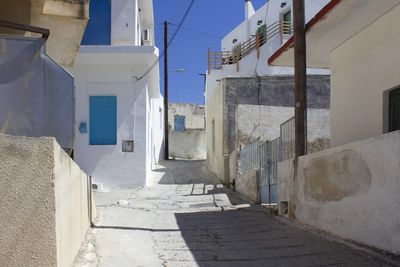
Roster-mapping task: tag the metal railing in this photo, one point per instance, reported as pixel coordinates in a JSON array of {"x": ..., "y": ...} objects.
[
  {"x": 287, "y": 146},
  {"x": 263, "y": 35},
  {"x": 286, "y": 28},
  {"x": 249, "y": 158},
  {"x": 27, "y": 28}
]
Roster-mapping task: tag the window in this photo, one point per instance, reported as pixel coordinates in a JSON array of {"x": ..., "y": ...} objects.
[
  {"x": 103, "y": 120},
  {"x": 394, "y": 110},
  {"x": 179, "y": 123},
  {"x": 213, "y": 135},
  {"x": 98, "y": 30}
]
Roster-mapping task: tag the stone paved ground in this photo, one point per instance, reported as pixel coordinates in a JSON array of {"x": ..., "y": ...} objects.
[{"x": 187, "y": 219}]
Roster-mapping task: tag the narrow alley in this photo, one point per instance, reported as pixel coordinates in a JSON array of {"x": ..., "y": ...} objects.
[{"x": 188, "y": 219}]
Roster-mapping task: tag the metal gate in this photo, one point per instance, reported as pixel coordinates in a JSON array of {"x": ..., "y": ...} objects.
[{"x": 268, "y": 171}]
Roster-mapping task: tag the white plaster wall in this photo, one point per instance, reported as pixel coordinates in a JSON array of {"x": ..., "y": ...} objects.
[
  {"x": 352, "y": 191},
  {"x": 269, "y": 13},
  {"x": 363, "y": 69},
  {"x": 214, "y": 111},
  {"x": 212, "y": 80},
  {"x": 44, "y": 215},
  {"x": 254, "y": 121},
  {"x": 72, "y": 207},
  {"x": 124, "y": 21},
  {"x": 250, "y": 65},
  {"x": 188, "y": 144},
  {"x": 108, "y": 165},
  {"x": 157, "y": 134},
  {"x": 194, "y": 115}
]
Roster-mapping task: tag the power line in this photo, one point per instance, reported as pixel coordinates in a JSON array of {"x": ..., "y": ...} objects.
[
  {"x": 170, "y": 41},
  {"x": 200, "y": 32}
]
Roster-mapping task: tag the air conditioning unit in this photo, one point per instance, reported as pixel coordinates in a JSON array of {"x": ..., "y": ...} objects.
[{"x": 146, "y": 35}]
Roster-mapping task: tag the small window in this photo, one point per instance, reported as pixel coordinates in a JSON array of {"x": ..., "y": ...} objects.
[
  {"x": 394, "y": 110},
  {"x": 287, "y": 22},
  {"x": 103, "y": 120},
  {"x": 179, "y": 123}
]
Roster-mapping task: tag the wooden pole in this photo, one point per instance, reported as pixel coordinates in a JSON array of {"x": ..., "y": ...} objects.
[
  {"x": 300, "y": 78},
  {"x": 166, "y": 130}
]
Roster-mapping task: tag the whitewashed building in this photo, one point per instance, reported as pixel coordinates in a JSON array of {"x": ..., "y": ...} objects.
[
  {"x": 239, "y": 82},
  {"x": 352, "y": 189},
  {"x": 247, "y": 47},
  {"x": 119, "y": 111}
]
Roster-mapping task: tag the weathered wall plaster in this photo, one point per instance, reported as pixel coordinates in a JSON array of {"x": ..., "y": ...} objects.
[
  {"x": 270, "y": 91},
  {"x": 188, "y": 144},
  {"x": 351, "y": 191},
  {"x": 214, "y": 127}
]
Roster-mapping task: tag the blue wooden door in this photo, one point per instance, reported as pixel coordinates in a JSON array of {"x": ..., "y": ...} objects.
[
  {"x": 103, "y": 120},
  {"x": 179, "y": 123}
]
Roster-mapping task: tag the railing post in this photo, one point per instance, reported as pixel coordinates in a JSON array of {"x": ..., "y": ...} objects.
[{"x": 209, "y": 62}]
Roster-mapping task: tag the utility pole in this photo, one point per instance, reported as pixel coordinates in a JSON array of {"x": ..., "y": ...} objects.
[
  {"x": 166, "y": 130},
  {"x": 300, "y": 78}
]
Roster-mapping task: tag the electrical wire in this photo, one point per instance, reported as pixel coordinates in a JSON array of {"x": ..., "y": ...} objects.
[
  {"x": 169, "y": 42},
  {"x": 200, "y": 32}
]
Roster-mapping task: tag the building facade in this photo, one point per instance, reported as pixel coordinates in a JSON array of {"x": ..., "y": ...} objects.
[
  {"x": 239, "y": 82},
  {"x": 341, "y": 188},
  {"x": 187, "y": 138},
  {"x": 119, "y": 111}
]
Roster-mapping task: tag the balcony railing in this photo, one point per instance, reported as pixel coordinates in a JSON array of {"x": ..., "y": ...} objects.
[{"x": 263, "y": 35}]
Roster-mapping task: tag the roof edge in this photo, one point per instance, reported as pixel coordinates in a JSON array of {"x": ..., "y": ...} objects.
[{"x": 318, "y": 17}]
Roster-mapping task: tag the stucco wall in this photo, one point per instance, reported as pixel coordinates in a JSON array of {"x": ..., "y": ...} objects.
[
  {"x": 72, "y": 207},
  {"x": 138, "y": 119},
  {"x": 277, "y": 91},
  {"x": 214, "y": 111},
  {"x": 352, "y": 191},
  {"x": 44, "y": 216},
  {"x": 157, "y": 130},
  {"x": 358, "y": 89},
  {"x": 248, "y": 185},
  {"x": 188, "y": 144},
  {"x": 254, "y": 121}
]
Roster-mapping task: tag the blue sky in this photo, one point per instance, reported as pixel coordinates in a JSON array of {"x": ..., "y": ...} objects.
[{"x": 189, "y": 50}]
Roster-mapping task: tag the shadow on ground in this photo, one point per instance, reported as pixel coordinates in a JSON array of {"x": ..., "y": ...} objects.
[
  {"x": 250, "y": 237},
  {"x": 180, "y": 172}
]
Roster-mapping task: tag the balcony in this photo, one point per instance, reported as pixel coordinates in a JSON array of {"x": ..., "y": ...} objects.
[{"x": 216, "y": 59}]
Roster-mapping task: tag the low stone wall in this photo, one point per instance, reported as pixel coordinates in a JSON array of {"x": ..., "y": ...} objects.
[
  {"x": 44, "y": 195},
  {"x": 352, "y": 191},
  {"x": 248, "y": 185},
  {"x": 188, "y": 145}
]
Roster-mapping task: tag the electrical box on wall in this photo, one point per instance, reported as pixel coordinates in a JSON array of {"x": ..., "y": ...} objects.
[
  {"x": 127, "y": 146},
  {"x": 83, "y": 127}
]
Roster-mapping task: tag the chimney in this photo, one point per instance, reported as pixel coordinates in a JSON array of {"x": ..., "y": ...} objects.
[{"x": 249, "y": 9}]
